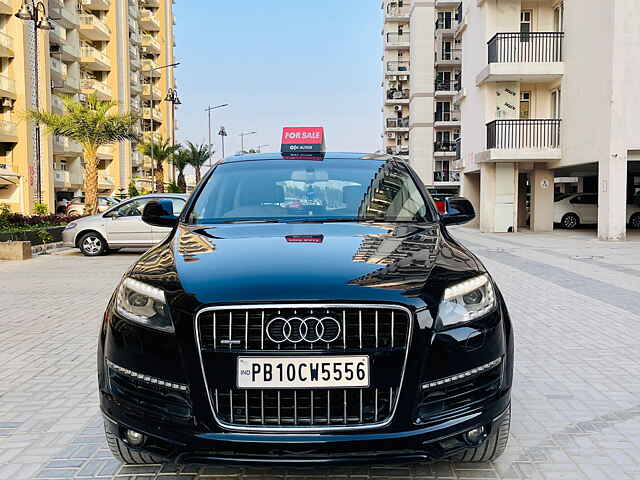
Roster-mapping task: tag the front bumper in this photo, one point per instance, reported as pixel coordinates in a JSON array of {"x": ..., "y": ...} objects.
[
  {"x": 181, "y": 427},
  {"x": 69, "y": 237}
]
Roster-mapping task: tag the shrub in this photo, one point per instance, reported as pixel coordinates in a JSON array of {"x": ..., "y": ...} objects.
[
  {"x": 40, "y": 209},
  {"x": 44, "y": 236},
  {"x": 133, "y": 190},
  {"x": 174, "y": 188}
]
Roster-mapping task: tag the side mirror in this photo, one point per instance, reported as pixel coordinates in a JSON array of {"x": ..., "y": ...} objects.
[
  {"x": 459, "y": 211},
  {"x": 159, "y": 213}
]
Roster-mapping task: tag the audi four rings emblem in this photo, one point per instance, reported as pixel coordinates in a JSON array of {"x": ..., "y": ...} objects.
[{"x": 298, "y": 329}]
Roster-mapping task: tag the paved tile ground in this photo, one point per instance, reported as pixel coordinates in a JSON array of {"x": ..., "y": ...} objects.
[{"x": 575, "y": 303}]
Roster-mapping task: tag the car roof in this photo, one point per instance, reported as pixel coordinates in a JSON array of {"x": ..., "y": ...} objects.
[
  {"x": 253, "y": 157},
  {"x": 162, "y": 195}
]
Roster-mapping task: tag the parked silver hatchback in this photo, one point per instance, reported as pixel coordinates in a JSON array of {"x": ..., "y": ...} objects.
[{"x": 121, "y": 226}]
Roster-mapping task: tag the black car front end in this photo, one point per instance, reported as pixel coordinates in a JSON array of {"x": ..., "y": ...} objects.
[{"x": 412, "y": 334}]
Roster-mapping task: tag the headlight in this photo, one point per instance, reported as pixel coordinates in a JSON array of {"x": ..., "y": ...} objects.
[
  {"x": 143, "y": 304},
  {"x": 466, "y": 301},
  {"x": 71, "y": 226}
]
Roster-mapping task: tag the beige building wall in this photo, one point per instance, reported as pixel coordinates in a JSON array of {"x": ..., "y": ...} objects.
[{"x": 95, "y": 46}]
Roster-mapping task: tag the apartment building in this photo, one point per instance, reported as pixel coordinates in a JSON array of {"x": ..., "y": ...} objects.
[
  {"x": 112, "y": 48},
  {"x": 422, "y": 74},
  {"x": 549, "y": 103}
]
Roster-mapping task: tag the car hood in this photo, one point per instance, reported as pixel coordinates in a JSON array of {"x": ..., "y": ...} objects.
[
  {"x": 262, "y": 263},
  {"x": 89, "y": 219}
]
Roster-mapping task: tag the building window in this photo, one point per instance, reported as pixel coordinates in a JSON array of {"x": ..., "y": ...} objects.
[
  {"x": 444, "y": 20},
  {"x": 525, "y": 105},
  {"x": 556, "y": 103},
  {"x": 525, "y": 24}
]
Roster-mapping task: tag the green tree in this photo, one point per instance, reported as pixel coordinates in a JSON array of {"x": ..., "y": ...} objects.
[
  {"x": 91, "y": 124},
  {"x": 181, "y": 161},
  {"x": 198, "y": 155},
  {"x": 160, "y": 151},
  {"x": 133, "y": 190}
]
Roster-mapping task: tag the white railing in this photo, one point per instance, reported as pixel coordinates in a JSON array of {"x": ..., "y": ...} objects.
[
  {"x": 91, "y": 52},
  {"x": 105, "y": 179},
  {"x": 6, "y": 41},
  {"x": 92, "y": 84},
  {"x": 89, "y": 19},
  {"x": 7, "y": 84},
  {"x": 62, "y": 176},
  {"x": 58, "y": 66}
]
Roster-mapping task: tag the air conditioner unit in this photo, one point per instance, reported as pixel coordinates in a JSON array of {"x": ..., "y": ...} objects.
[
  {"x": 398, "y": 108},
  {"x": 391, "y": 135},
  {"x": 403, "y": 78}
]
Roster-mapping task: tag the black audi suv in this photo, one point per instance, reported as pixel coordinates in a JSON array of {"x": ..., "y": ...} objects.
[{"x": 307, "y": 309}]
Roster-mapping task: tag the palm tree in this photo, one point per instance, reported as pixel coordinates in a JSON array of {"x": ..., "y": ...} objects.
[
  {"x": 160, "y": 151},
  {"x": 91, "y": 124},
  {"x": 181, "y": 161},
  {"x": 198, "y": 155}
]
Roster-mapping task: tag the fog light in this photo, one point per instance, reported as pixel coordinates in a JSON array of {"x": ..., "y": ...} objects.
[
  {"x": 475, "y": 436},
  {"x": 134, "y": 438}
]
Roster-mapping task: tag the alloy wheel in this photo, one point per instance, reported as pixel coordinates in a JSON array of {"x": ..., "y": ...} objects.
[{"x": 92, "y": 245}]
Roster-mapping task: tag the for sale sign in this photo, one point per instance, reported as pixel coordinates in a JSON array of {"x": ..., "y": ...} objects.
[{"x": 301, "y": 140}]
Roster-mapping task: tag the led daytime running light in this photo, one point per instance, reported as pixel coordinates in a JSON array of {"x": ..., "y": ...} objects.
[
  {"x": 465, "y": 287},
  {"x": 460, "y": 376},
  {"x": 144, "y": 289},
  {"x": 147, "y": 378}
]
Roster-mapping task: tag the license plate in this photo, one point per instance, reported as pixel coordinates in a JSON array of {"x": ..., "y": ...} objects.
[{"x": 303, "y": 372}]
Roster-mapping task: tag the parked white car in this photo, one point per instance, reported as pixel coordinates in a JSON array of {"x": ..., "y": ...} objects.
[
  {"x": 582, "y": 209},
  {"x": 121, "y": 226}
]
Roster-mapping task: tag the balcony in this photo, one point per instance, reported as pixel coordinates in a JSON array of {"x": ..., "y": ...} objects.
[
  {"x": 62, "y": 178},
  {"x": 397, "y": 150},
  {"x": 150, "y": 67},
  {"x": 70, "y": 84},
  {"x": 8, "y": 133},
  {"x": 397, "y": 124},
  {"x": 531, "y": 57},
  {"x": 66, "y": 17},
  {"x": 397, "y": 97},
  {"x": 148, "y": 91},
  {"x": 151, "y": 3},
  {"x": 136, "y": 86},
  {"x": 394, "y": 41},
  {"x": 105, "y": 182},
  {"x": 446, "y": 177},
  {"x": 451, "y": 57},
  {"x": 396, "y": 13},
  {"x": 149, "y": 21},
  {"x": 446, "y": 88},
  {"x": 444, "y": 149},
  {"x": 447, "y": 118},
  {"x": 133, "y": 24},
  {"x": 137, "y": 159},
  {"x": 134, "y": 11},
  {"x": 65, "y": 147},
  {"x": 446, "y": 27},
  {"x": 58, "y": 70},
  {"x": 134, "y": 38},
  {"x": 102, "y": 91},
  {"x": 69, "y": 51},
  {"x": 93, "y": 28},
  {"x": 149, "y": 113},
  {"x": 93, "y": 59},
  {"x": 6, "y": 7},
  {"x": 7, "y": 87},
  {"x": 398, "y": 68},
  {"x": 58, "y": 34},
  {"x": 447, "y": 3},
  {"x": 105, "y": 152},
  {"x": 57, "y": 105},
  {"x": 524, "y": 140},
  {"x": 6, "y": 45},
  {"x": 151, "y": 44},
  {"x": 96, "y": 4}
]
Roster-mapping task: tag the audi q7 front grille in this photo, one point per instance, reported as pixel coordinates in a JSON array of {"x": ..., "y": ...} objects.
[
  {"x": 383, "y": 332},
  {"x": 314, "y": 328}
]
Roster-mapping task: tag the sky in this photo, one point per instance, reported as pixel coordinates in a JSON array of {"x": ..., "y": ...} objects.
[{"x": 279, "y": 63}]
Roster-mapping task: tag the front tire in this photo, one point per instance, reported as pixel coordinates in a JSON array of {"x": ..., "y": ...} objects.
[
  {"x": 92, "y": 245},
  {"x": 122, "y": 452},
  {"x": 634, "y": 221},
  {"x": 570, "y": 221},
  {"x": 493, "y": 446}
]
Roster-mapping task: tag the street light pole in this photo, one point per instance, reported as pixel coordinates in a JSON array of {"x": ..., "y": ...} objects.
[
  {"x": 242, "y": 135},
  {"x": 222, "y": 133},
  {"x": 150, "y": 72},
  {"x": 36, "y": 12},
  {"x": 209, "y": 110},
  {"x": 172, "y": 96}
]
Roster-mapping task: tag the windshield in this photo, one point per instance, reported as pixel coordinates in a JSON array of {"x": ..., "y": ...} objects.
[{"x": 307, "y": 190}]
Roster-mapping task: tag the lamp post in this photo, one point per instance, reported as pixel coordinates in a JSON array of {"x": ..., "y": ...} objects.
[
  {"x": 150, "y": 72},
  {"x": 172, "y": 96},
  {"x": 242, "y": 135},
  {"x": 209, "y": 109},
  {"x": 36, "y": 12},
  {"x": 222, "y": 133}
]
